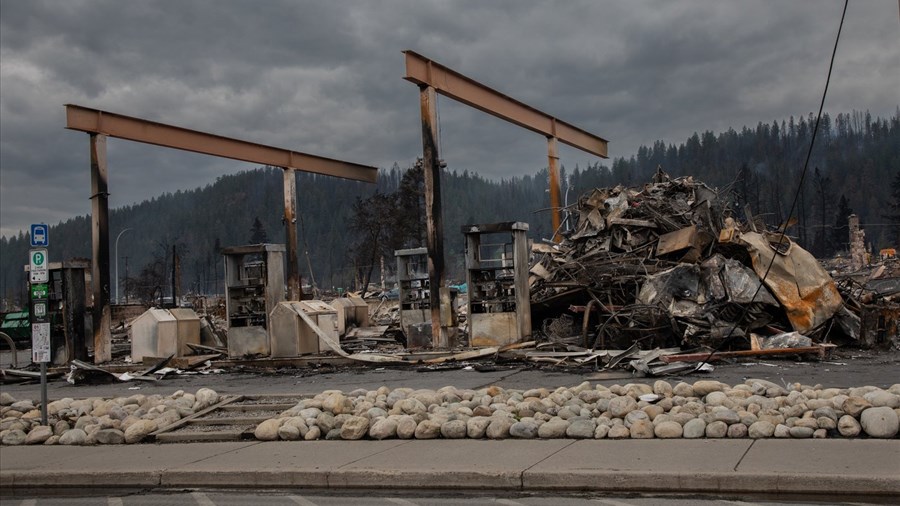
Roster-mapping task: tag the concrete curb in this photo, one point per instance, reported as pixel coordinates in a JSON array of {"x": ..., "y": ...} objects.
[
  {"x": 829, "y": 469},
  {"x": 777, "y": 485}
]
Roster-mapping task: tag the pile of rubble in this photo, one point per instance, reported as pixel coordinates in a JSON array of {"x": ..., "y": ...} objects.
[
  {"x": 669, "y": 265},
  {"x": 874, "y": 293}
]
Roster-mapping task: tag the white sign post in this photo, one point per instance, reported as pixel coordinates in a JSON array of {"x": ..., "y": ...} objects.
[{"x": 39, "y": 276}]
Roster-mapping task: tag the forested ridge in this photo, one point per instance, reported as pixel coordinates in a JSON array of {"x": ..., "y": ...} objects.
[{"x": 855, "y": 167}]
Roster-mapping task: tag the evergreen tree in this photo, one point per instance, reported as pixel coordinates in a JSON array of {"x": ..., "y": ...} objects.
[
  {"x": 373, "y": 219},
  {"x": 258, "y": 232},
  {"x": 840, "y": 233},
  {"x": 894, "y": 206},
  {"x": 410, "y": 228},
  {"x": 822, "y": 186}
]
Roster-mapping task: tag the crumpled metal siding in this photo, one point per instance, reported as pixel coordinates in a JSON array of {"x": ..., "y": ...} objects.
[{"x": 805, "y": 290}]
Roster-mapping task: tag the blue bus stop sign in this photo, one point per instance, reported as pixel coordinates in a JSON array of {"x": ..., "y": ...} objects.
[{"x": 40, "y": 235}]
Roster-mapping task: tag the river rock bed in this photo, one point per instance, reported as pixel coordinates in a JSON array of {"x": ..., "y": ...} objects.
[
  {"x": 96, "y": 420},
  {"x": 705, "y": 409}
]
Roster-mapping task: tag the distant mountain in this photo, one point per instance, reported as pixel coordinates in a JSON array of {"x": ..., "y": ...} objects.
[{"x": 855, "y": 159}]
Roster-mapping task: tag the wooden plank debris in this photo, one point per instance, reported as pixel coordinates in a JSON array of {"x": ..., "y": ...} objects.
[
  {"x": 368, "y": 333},
  {"x": 821, "y": 350},
  {"x": 186, "y": 420}
]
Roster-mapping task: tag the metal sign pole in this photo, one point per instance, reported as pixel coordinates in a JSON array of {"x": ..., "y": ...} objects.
[
  {"x": 43, "y": 393},
  {"x": 39, "y": 284}
]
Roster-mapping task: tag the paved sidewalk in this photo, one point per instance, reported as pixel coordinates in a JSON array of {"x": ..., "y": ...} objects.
[{"x": 830, "y": 468}]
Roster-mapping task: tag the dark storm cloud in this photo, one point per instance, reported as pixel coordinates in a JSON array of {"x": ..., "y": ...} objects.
[{"x": 325, "y": 78}]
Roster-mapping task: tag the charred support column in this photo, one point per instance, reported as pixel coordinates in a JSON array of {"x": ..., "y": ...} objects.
[
  {"x": 73, "y": 312},
  {"x": 553, "y": 169},
  {"x": 100, "y": 249},
  {"x": 434, "y": 222},
  {"x": 294, "y": 292}
]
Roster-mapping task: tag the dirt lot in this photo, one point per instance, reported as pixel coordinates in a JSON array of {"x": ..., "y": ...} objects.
[{"x": 845, "y": 368}]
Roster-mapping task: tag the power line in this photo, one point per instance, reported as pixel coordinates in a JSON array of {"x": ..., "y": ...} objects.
[{"x": 781, "y": 236}]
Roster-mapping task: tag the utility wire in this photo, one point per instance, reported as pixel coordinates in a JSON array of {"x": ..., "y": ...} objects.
[{"x": 781, "y": 236}]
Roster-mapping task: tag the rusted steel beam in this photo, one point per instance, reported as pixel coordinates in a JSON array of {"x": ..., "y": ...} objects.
[
  {"x": 294, "y": 290},
  {"x": 434, "y": 222},
  {"x": 553, "y": 169},
  {"x": 140, "y": 130},
  {"x": 426, "y": 72},
  {"x": 100, "y": 249}
]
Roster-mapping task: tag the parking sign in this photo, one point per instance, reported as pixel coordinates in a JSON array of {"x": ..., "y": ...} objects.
[
  {"x": 40, "y": 235},
  {"x": 37, "y": 266}
]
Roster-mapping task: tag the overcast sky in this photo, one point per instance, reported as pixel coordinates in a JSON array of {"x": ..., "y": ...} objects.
[{"x": 325, "y": 78}]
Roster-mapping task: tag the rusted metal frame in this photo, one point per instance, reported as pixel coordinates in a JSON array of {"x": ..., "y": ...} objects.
[
  {"x": 432, "y": 75},
  {"x": 294, "y": 288},
  {"x": 425, "y": 72},
  {"x": 434, "y": 221},
  {"x": 100, "y": 249},
  {"x": 102, "y": 124},
  {"x": 140, "y": 130}
]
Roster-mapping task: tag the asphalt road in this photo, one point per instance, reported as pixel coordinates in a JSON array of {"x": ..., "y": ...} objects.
[
  {"x": 243, "y": 498},
  {"x": 845, "y": 368}
]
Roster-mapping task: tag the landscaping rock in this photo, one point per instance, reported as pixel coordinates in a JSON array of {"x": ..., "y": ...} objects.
[
  {"x": 694, "y": 428},
  {"x": 384, "y": 428},
  {"x": 6, "y": 399},
  {"x": 853, "y": 406},
  {"x": 668, "y": 430},
  {"x": 553, "y": 429},
  {"x": 109, "y": 437},
  {"x": 265, "y": 431},
  {"x": 136, "y": 431},
  {"x": 716, "y": 429},
  {"x": 761, "y": 429},
  {"x": 73, "y": 437},
  {"x": 38, "y": 435},
  {"x": 641, "y": 429},
  {"x": 427, "y": 429},
  {"x": 454, "y": 429},
  {"x": 621, "y": 406},
  {"x": 354, "y": 428},
  {"x": 499, "y": 428},
  {"x": 477, "y": 426},
  {"x": 14, "y": 437},
  {"x": 524, "y": 430},
  {"x": 288, "y": 433},
  {"x": 581, "y": 429},
  {"x": 880, "y": 422}
]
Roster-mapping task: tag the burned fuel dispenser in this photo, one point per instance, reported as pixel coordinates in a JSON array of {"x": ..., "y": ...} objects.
[
  {"x": 68, "y": 294},
  {"x": 497, "y": 277},
  {"x": 415, "y": 307},
  {"x": 254, "y": 285}
]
